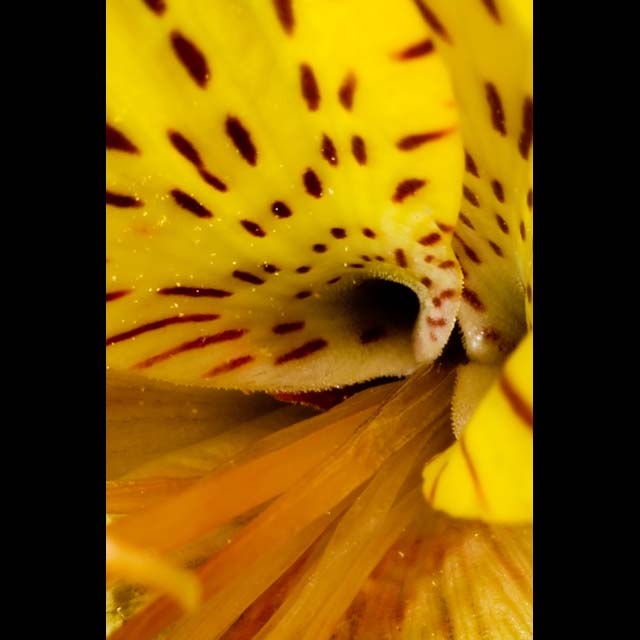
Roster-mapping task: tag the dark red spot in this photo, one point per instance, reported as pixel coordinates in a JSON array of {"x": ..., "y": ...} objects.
[
  {"x": 523, "y": 232},
  {"x": 338, "y": 232},
  {"x": 194, "y": 292},
  {"x": 157, "y": 6},
  {"x": 123, "y": 201},
  {"x": 429, "y": 258},
  {"x": 491, "y": 334},
  {"x": 490, "y": 5},
  {"x": 191, "y": 58},
  {"x": 253, "y": 228},
  {"x": 304, "y": 269},
  {"x": 303, "y": 351},
  {"x": 401, "y": 258},
  {"x": 301, "y": 295},
  {"x": 379, "y": 258},
  {"x": 190, "y": 204},
  {"x": 498, "y": 191},
  {"x": 160, "y": 324},
  {"x": 346, "y": 92},
  {"x": 518, "y": 404},
  {"x": 436, "y": 322},
  {"x": 530, "y": 199},
  {"x": 470, "y": 196},
  {"x": 447, "y": 264},
  {"x": 472, "y": 255},
  {"x": 185, "y": 148},
  {"x": 198, "y": 343},
  {"x": 312, "y": 183},
  {"x": 309, "y": 87},
  {"x": 284, "y": 11},
  {"x": 319, "y": 248},
  {"x": 117, "y": 141},
  {"x": 372, "y": 334},
  {"x": 247, "y": 277},
  {"x": 356, "y": 265},
  {"x": 529, "y": 293},
  {"x": 288, "y": 327},
  {"x": 470, "y": 165},
  {"x": 210, "y": 179},
  {"x": 432, "y": 238},
  {"x": 445, "y": 228},
  {"x": 495, "y": 106},
  {"x": 328, "y": 149},
  {"x": 114, "y": 295},
  {"x": 334, "y": 280},
  {"x": 437, "y": 302},
  {"x": 466, "y": 221},
  {"x": 407, "y": 188},
  {"x": 241, "y": 138},
  {"x": 432, "y": 20},
  {"x": 365, "y": 258},
  {"x": 427, "y": 282},
  {"x": 526, "y": 134},
  {"x": 270, "y": 268},
  {"x": 496, "y": 249},
  {"x": 369, "y": 233},
  {"x": 359, "y": 150},
  {"x": 416, "y": 50},
  {"x": 280, "y": 209},
  {"x": 229, "y": 366},
  {"x": 448, "y": 293},
  {"x": 502, "y": 223},
  {"x": 416, "y": 140},
  {"x": 472, "y": 298}
]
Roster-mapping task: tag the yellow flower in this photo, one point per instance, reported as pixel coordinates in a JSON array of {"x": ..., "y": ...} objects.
[{"x": 301, "y": 196}]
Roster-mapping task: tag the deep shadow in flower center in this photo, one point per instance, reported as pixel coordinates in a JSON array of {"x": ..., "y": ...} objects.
[{"x": 392, "y": 302}]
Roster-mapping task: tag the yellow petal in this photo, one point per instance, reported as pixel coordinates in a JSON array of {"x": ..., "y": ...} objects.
[
  {"x": 173, "y": 472},
  {"x": 343, "y": 561},
  {"x": 263, "y": 167},
  {"x": 416, "y": 411},
  {"x": 488, "y": 49},
  {"x": 442, "y": 579},
  {"x": 280, "y": 460},
  {"x": 148, "y": 418},
  {"x": 488, "y": 472},
  {"x": 142, "y": 567}
]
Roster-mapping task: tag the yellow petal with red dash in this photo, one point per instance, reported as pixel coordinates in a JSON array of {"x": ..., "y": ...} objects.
[
  {"x": 280, "y": 198},
  {"x": 488, "y": 472},
  {"x": 487, "y": 45}
]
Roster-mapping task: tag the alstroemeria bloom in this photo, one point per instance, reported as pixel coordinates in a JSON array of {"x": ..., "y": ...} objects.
[{"x": 303, "y": 196}]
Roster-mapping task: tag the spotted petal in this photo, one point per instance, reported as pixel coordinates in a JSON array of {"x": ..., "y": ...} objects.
[
  {"x": 280, "y": 198},
  {"x": 488, "y": 48}
]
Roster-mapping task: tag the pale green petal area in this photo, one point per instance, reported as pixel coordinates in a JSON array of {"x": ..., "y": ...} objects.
[
  {"x": 263, "y": 167},
  {"x": 473, "y": 380},
  {"x": 488, "y": 48}
]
